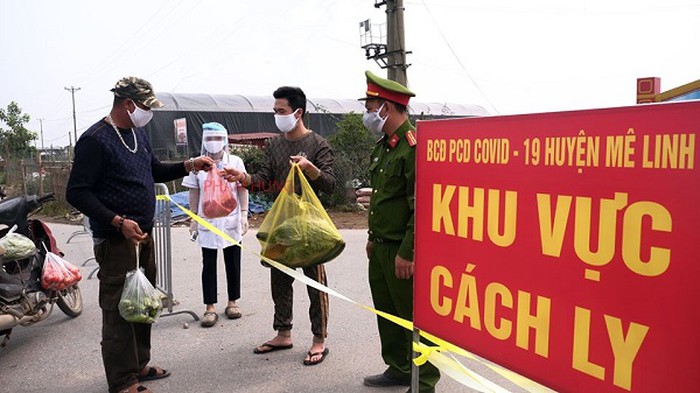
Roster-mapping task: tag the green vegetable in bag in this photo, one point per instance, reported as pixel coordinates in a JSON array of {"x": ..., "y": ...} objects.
[
  {"x": 140, "y": 302},
  {"x": 17, "y": 246},
  {"x": 303, "y": 241}
]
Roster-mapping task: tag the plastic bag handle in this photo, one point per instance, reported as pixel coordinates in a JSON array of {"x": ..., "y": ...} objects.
[
  {"x": 289, "y": 183},
  {"x": 136, "y": 246}
]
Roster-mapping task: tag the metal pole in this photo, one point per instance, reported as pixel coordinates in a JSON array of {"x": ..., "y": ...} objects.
[
  {"x": 41, "y": 169},
  {"x": 72, "y": 93},
  {"x": 395, "y": 42},
  {"x": 415, "y": 370},
  {"x": 41, "y": 132}
]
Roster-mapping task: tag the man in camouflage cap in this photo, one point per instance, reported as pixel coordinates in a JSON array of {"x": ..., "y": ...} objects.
[
  {"x": 391, "y": 228},
  {"x": 137, "y": 89},
  {"x": 112, "y": 183}
]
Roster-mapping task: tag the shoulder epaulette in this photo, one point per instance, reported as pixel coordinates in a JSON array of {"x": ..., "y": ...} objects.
[{"x": 411, "y": 138}]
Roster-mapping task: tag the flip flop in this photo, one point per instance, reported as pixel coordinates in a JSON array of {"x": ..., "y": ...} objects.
[
  {"x": 315, "y": 362},
  {"x": 152, "y": 374},
  {"x": 272, "y": 347}
]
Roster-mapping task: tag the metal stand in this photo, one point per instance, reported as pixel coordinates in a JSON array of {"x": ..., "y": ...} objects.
[
  {"x": 415, "y": 370},
  {"x": 84, "y": 231},
  {"x": 163, "y": 250}
]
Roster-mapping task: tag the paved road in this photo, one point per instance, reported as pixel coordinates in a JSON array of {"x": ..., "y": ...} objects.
[{"x": 62, "y": 355}]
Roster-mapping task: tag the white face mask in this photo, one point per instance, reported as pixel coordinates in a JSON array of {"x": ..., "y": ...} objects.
[
  {"x": 286, "y": 123},
  {"x": 373, "y": 121},
  {"x": 214, "y": 147},
  {"x": 140, "y": 117}
]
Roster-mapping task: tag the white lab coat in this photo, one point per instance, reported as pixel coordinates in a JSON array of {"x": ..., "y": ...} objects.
[{"x": 231, "y": 224}]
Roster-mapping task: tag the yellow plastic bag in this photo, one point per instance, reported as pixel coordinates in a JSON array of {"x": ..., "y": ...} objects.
[{"x": 297, "y": 231}]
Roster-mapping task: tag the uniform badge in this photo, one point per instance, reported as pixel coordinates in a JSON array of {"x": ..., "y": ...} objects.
[
  {"x": 393, "y": 140},
  {"x": 411, "y": 138}
]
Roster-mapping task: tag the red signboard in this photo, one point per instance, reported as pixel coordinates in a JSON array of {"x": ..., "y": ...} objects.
[{"x": 564, "y": 246}]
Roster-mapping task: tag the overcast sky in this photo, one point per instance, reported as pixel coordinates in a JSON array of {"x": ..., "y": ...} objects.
[{"x": 509, "y": 56}]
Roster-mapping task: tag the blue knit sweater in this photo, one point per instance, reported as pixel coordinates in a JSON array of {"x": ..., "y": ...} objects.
[{"x": 108, "y": 180}]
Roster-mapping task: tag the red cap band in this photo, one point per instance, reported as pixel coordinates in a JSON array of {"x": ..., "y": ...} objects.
[{"x": 376, "y": 91}]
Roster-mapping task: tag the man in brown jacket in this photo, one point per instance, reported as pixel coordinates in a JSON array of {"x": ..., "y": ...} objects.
[{"x": 315, "y": 157}]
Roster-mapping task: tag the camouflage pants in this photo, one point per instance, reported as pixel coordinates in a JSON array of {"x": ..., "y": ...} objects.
[{"x": 283, "y": 295}]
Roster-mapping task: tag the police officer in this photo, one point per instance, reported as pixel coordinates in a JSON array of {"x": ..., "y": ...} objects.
[{"x": 391, "y": 228}]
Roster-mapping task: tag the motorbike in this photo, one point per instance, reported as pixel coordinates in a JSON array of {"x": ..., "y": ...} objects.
[{"x": 23, "y": 301}]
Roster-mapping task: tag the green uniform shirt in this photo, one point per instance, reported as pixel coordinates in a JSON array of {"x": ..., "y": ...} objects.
[{"x": 393, "y": 176}]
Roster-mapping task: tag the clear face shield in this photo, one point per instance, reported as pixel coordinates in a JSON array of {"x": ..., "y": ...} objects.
[{"x": 214, "y": 140}]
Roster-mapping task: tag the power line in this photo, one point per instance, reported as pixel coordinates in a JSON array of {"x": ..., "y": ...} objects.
[{"x": 437, "y": 26}]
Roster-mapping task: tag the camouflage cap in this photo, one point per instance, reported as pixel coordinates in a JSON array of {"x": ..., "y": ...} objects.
[{"x": 137, "y": 89}]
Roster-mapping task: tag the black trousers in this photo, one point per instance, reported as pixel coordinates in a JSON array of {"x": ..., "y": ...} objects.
[
  {"x": 126, "y": 346},
  {"x": 232, "y": 263}
]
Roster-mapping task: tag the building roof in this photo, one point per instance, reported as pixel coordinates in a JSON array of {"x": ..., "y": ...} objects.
[
  {"x": 242, "y": 103},
  {"x": 232, "y": 138}
]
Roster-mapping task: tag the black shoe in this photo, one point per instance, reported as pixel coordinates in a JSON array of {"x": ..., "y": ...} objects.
[{"x": 383, "y": 380}]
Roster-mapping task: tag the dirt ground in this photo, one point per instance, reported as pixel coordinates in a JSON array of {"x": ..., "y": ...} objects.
[{"x": 342, "y": 220}]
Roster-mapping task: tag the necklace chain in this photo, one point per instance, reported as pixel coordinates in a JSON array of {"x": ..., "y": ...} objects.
[{"x": 121, "y": 138}]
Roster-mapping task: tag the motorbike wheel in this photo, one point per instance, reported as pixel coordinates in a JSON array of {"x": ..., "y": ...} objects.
[{"x": 70, "y": 301}]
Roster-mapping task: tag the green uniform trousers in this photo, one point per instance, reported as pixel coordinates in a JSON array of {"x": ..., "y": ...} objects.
[{"x": 395, "y": 297}]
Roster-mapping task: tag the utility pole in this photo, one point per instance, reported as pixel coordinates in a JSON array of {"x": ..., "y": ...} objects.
[
  {"x": 41, "y": 167},
  {"x": 72, "y": 93},
  {"x": 395, "y": 41},
  {"x": 41, "y": 132},
  {"x": 392, "y": 54}
]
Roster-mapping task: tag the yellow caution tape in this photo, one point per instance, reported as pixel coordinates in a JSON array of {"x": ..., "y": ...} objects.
[{"x": 448, "y": 365}]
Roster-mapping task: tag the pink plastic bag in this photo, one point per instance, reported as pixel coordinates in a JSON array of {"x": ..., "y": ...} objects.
[{"x": 218, "y": 197}]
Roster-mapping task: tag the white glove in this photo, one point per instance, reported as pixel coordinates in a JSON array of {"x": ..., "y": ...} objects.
[{"x": 244, "y": 222}]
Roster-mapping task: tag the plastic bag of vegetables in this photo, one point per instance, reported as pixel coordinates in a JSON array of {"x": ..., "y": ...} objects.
[
  {"x": 16, "y": 246},
  {"x": 140, "y": 301},
  {"x": 297, "y": 231},
  {"x": 57, "y": 273}
]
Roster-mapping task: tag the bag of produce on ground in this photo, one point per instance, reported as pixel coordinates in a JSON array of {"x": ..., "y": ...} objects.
[
  {"x": 140, "y": 301},
  {"x": 16, "y": 246},
  {"x": 57, "y": 273},
  {"x": 218, "y": 200},
  {"x": 297, "y": 231}
]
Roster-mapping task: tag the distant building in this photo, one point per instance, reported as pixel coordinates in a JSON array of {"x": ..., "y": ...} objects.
[
  {"x": 171, "y": 136},
  {"x": 649, "y": 90}
]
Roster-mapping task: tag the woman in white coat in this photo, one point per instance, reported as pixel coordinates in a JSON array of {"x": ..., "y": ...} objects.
[{"x": 214, "y": 144}]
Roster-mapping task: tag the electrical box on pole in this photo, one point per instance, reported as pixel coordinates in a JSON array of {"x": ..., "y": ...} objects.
[{"x": 385, "y": 43}]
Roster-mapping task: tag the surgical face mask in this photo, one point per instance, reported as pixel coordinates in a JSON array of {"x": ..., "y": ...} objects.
[
  {"x": 373, "y": 121},
  {"x": 214, "y": 147},
  {"x": 286, "y": 123},
  {"x": 140, "y": 117}
]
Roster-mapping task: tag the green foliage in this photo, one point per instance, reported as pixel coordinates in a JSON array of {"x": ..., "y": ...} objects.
[
  {"x": 352, "y": 144},
  {"x": 56, "y": 209},
  {"x": 254, "y": 158},
  {"x": 15, "y": 137}
]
